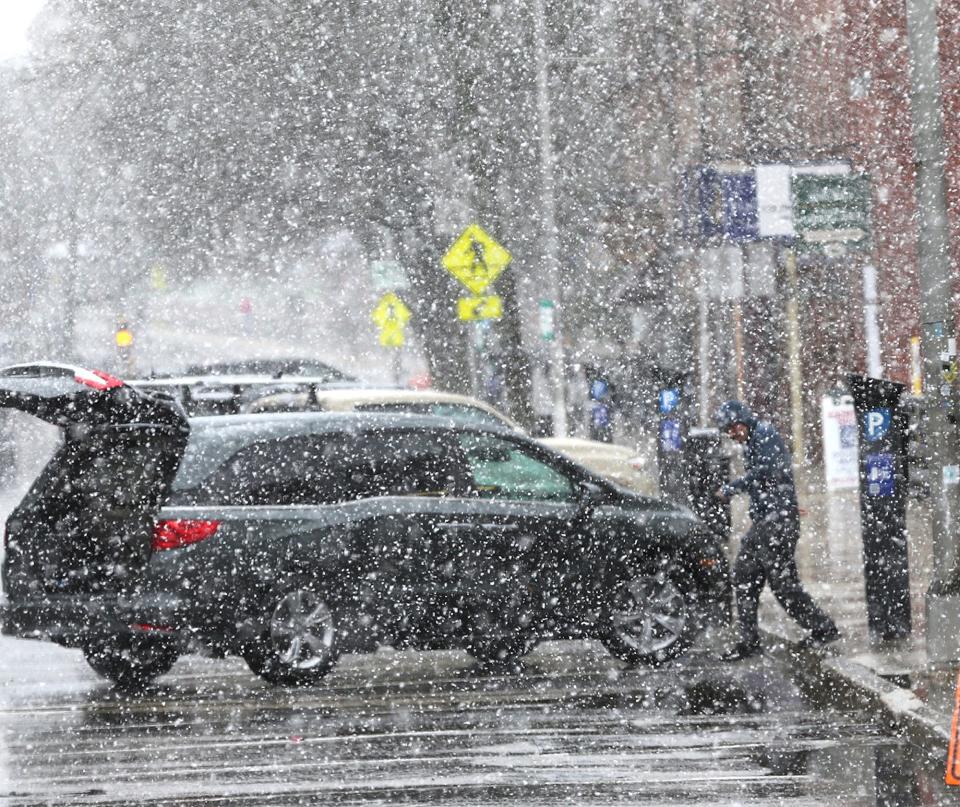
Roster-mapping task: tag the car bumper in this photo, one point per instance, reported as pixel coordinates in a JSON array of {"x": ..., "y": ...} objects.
[{"x": 69, "y": 621}]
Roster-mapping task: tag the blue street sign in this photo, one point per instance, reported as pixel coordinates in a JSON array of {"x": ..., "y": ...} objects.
[
  {"x": 669, "y": 398},
  {"x": 880, "y": 478},
  {"x": 876, "y": 424},
  {"x": 726, "y": 205},
  {"x": 599, "y": 389},
  {"x": 670, "y": 440}
]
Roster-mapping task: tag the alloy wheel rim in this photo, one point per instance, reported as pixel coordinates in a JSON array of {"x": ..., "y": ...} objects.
[
  {"x": 651, "y": 615},
  {"x": 302, "y": 630}
]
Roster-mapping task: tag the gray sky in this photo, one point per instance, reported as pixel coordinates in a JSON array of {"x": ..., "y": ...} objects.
[{"x": 15, "y": 16}]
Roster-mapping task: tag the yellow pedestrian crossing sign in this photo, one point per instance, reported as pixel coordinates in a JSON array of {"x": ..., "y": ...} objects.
[
  {"x": 475, "y": 259},
  {"x": 392, "y": 335},
  {"x": 489, "y": 307},
  {"x": 391, "y": 315}
]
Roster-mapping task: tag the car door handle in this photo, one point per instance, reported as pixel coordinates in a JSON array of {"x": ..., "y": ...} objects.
[{"x": 493, "y": 526}]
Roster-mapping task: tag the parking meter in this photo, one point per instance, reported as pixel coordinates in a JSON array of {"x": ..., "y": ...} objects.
[
  {"x": 882, "y": 429},
  {"x": 708, "y": 470},
  {"x": 601, "y": 414},
  {"x": 672, "y": 426}
]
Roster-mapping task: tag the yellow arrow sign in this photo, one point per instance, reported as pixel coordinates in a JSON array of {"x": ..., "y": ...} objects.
[
  {"x": 475, "y": 259},
  {"x": 390, "y": 310},
  {"x": 489, "y": 307}
]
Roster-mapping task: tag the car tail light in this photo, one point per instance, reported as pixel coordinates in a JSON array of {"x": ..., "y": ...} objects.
[
  {"x": 637, "y": 463},
  {"x": 175, "y": 533},
  {"x": 97, "y": 379}
]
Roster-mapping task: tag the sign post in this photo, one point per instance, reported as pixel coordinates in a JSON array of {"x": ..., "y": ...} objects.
[
  {"x": 391, "y": 316},
  {"x": 476, "y": 260}
]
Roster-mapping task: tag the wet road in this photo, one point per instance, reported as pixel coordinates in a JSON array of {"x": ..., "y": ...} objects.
[{"x": 570, "y": 727}]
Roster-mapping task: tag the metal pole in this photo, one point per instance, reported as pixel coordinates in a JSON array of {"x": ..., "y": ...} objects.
[
  {"x": 871, "y": 324},
  {"x": 937, "y": 329},
  {"x": 793, "y": 352},
  {"x": 738, "y": 346},
  {"x": 703, "y": 344},
  {"x": 548, "y": 211}
]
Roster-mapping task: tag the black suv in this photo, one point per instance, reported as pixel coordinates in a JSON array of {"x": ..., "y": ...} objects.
[{"x": 291, "y": 538}]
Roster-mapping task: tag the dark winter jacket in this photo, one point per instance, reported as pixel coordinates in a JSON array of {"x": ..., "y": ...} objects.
[{"x": 768, "y": 477}]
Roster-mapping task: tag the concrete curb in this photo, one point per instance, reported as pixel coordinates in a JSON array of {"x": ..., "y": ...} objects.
[{"x": 841, "y": 679}]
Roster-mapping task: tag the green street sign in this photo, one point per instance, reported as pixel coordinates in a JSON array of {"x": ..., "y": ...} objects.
[
  {"x": 547, "y": 320},
  {"x": 831, "y": 208}
]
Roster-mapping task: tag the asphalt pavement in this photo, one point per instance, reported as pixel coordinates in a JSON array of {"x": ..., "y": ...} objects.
[{"x": 569, "y": 726}]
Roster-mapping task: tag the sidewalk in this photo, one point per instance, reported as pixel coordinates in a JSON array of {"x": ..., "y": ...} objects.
[{"x": 895, "y": 678}]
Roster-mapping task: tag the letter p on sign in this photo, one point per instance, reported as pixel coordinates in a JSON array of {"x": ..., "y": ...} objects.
[{"x": 876, "y": 424}]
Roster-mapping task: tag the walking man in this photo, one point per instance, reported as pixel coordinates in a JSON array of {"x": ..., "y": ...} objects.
[{"x": 767, "y": 550}]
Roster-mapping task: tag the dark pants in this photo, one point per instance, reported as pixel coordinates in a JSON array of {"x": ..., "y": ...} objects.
[{"x": 767, "y": 556}]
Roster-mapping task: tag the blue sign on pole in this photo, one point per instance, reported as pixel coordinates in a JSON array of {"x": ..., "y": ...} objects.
[
  {"x": 727, "y": 205},
  {"x": 740, "y": 207},
  {"x": 599, "y": 389},
  {"x": 876, "y": 424},
  {"x": 669, "y": 398},
  {"x": 880, "y": 478},
  {"x": 670, "y": 440}
]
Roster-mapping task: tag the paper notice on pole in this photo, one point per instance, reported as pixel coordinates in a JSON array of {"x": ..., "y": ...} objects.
[{"x": 840, "y": 456}]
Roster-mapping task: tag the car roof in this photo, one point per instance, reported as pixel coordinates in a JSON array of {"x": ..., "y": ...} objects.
[
  {"x": 300, "y": 422},
  {"x": 347, "y": 397}
]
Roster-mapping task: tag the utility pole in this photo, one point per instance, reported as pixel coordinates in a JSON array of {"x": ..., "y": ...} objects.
[
  {"x": 937, "y": 321},
  {"x": 551, "y": 264}
]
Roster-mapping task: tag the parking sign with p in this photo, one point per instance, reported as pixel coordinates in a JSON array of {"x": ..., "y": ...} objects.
[{"x": 876, "y": 424}]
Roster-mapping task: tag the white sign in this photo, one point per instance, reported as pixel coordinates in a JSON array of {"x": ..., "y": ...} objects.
[
  {"x": 840, "y": 456},
  {"x": 951, "y": 474},
  {"x": 774, "y": 208},
  {"x": 388, "y": 276},
  {"x": 722, "y": 269},
  {"x": 774, "y": 203}
]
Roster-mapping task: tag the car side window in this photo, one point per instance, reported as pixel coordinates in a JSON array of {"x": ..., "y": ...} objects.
[
  {"x": 502, "y": 469},
  {"x": 410, "y": 463},
  {"x": 313, "y": 469}
]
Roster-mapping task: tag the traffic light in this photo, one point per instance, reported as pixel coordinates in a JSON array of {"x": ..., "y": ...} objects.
[
  {"x": 123, "y": 336},
  {"x": 123, "y": 339}
]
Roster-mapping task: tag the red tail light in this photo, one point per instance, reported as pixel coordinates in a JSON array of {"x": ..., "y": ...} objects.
[
  {"x": 180, "y": 532},
  {"x": 97, "y": 379}
]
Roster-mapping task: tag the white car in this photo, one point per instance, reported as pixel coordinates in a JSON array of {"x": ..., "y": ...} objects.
[{"x": 617, "y": 463}]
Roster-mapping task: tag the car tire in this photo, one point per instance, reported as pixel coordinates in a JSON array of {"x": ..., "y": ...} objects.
[
  {"x": 649, "y": 618},
  {"x": 131, "y": 660},
  {"x": 297, "y": 645}
]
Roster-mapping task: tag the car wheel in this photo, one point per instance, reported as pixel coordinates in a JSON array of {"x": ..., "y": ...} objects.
[
  {"x": 298, "y": 643},
  {"x": 649, "y": 619},
  {"x": 131, "y": 661}
]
